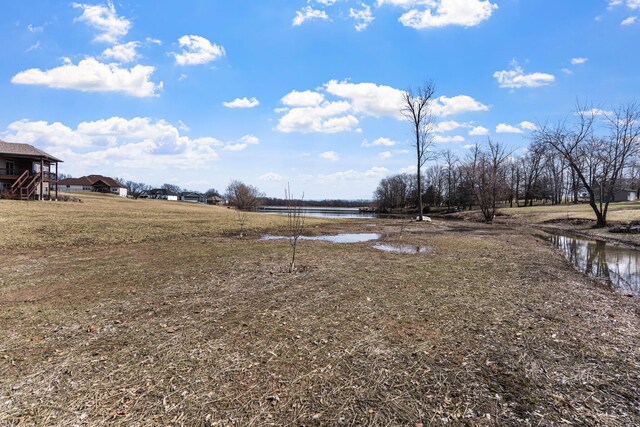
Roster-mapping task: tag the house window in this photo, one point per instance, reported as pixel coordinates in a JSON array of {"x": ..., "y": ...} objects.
[{"x": 87, "y": 188}]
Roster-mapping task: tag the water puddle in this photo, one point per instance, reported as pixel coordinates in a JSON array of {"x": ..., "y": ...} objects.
[
  {"x": 335, "y": 238},
  {"x": 402, "y": 249},
  {"x": 618, "y": 265}
]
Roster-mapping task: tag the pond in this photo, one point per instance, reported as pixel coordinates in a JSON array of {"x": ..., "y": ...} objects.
[
  {"x": 320, "y": 212},
  {"x": 335, "y": 238},
  {"x": 618, "y": 265}
]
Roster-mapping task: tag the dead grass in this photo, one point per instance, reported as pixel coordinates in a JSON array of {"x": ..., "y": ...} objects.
[
  {"x": 193, "y": 326},
  {"x": 618, "y": 212}
]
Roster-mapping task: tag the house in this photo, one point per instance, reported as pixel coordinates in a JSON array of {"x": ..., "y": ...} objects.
[
  {"x": 625, "y": 195},
  {"x": 162, "y": 194},
  {"x": 26, "y": 172},
  {"x": 215, "y": 200},
  {"x": 92, "y": 183},
  {"x": 190, "y": 196}
]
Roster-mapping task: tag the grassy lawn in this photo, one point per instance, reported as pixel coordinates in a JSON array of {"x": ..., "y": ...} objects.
[{"x": 121, "y": 312}]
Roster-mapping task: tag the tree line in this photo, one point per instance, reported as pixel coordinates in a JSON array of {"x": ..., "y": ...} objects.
[{"x": 586, "y": 157}]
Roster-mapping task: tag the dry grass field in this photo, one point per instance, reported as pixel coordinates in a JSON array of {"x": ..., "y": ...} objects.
[{"x": 136, "y": 313}]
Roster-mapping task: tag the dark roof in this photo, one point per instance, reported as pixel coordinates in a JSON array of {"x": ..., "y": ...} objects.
[
  {"x": 84, "y": 181},
  {"x": 105, "y": 179},
  {"x": 162, "y": 192},
  {"x": 91, "y": 180},
  {"x": 24, "y": 150},
  {"x": 191, "y": 193}
]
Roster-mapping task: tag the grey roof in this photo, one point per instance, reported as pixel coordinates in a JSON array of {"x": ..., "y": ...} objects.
[{"x": 24, "y": 150}]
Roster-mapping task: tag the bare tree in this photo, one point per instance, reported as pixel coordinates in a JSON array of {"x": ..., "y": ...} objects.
[
  {"x": 450, "y": 163},
  {"x": 417, "y": 110},
  {"x": 175, "y": 189},
  {"x": 295, "y": 223},
  {"x": 136, "y": 189},
  {"x": 597, "y": 161},
  {"x": 245, "y": 198},
  {"x": 489, "y": 183},
  {"x": 531, "y": 166}
]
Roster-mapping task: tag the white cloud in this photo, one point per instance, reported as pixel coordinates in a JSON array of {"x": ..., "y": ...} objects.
[
  {"x": 363, "y": 17},
  {"x": 244, "y": 142},
  {"x": 386, "y": 142},
  {"x": 442, "y": 139},
  {"x": 308, "y": 13},
  {"x": 376, "y": 171},
  {"x": 182, "y": 126},
  {"x": 151, "y": 40},
  {"x": 271, "y": 176},
  {"x": 326, "y": 2},
  {"x": 197, "y": 50},
  {"x": 578, "y": 61},
  {"x": 34, "y": 46},
  {"x": 90, "y": 75},
  {"x": 331, "y": 117},
  {"x": 528, "y": 126},
  {"x": 385, "y": 155},
  {"x": 33, "y": 29},
  {"x": 368, "y": 98},
  {"x": 516, "y": 78},
  {"x": 116, "y": 145},
  {"x": 242, "y": 103},
  {"x": 448, "y": 126},
  {"x": 629, "y": 21},
  {"x": 350, "y": 175},
  {"x": 566, "y": 71},
  {"x": 479, "y": 131},
  {"x": 597, "y": 112},
  {"x": 408, "y": 169},
  {"x": 306, "y": 98},
  {"x": 404, "y": 3},
  {"x": 444, "y": 106},
  {"x": 313, "y": 113},
  {"x": 631, "y": 4},
  {"x": 329, "y": 155},
  {"x": 441, "y": 13},
  {"x": 122, "y": 53},
  {"x": 104, "y": 19},
  {"x": 505, "y": 128}
]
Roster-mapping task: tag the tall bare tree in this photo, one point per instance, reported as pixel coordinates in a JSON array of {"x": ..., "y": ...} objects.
[
  {"x": 450, "y": 164},
  {"x": 489, "y": 177},
  {"x": 416, "y": 109}
]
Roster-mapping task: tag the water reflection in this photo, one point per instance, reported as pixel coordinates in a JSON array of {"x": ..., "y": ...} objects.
[
  {"x": 335, "y": 238},
  {"x": 618, "y": 265},
  {"x": 320, "y": 212}
]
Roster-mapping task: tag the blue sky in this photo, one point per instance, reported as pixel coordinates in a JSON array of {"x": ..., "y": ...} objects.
[{"x": 198, "y": 93}]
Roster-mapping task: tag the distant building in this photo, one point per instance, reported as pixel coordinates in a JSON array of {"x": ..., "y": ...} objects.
[
  {"x": 26, "y": 172},
  {"x": 625, "y": 196},
  {"x": 162, "y": 194},
  {"x": 215, "y": 200},
  {"x": 92, "y": 183},
  {"x": 190, "y": 196}
]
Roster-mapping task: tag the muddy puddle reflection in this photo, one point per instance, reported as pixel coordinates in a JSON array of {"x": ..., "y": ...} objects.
[
  {"x": 402, "y": 249},
  {"x": 620, "y": 266},
  {"x": 335, "y": 238}
]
